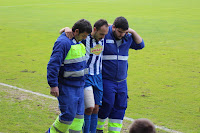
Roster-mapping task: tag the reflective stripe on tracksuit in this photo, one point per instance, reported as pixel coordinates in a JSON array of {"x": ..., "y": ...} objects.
[
  {"x": 77, "y": 124},
  {"x": 60, "y": 126},
  {"x": 114, "y": 125}
]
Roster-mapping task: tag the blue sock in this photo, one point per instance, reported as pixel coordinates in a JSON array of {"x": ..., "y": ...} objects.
[
  {"x": 93, "y": 125},
  {"x": 86, "y": 125}
]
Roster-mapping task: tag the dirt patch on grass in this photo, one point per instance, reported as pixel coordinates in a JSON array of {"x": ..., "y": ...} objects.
[{"x": 19, "y": 96}]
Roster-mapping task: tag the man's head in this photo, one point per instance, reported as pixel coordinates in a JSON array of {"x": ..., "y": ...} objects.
[
  {"x": 119, "y": 27},
  {"x": 81, "y": 29},
  {"x": 100, "y": 29},
  {"x": 142, "y": 126}
]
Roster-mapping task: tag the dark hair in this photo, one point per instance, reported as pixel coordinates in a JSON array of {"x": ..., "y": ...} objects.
[
  {"x": 100, "y": 23},
  {"x": 121, "y": 22},
  {"x": 142, "y": 126},
  {"x": 83, "y": 25}
]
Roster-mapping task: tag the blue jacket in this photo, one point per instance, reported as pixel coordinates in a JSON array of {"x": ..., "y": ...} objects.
[
  {"x": 63, "y": 70},
  {"x": 115, "y": 59}
]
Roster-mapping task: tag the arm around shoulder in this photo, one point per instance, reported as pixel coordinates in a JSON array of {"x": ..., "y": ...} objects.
[{"x": 68, "y": 32}]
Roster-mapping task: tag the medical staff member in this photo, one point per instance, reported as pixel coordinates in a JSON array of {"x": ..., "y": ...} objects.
[
  {"x": 65, "y": 75},
  {"x": 114, "y": 73}
]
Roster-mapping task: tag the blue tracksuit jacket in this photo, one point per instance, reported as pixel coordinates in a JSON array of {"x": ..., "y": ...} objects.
[{"x": 115, "y": 59}]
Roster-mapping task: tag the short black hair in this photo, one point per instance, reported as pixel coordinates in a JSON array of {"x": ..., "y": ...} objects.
[
  {"x": 83, "y": 25},
  {"x": 100, "y": 23},
  {"x": 142, "y": 126},
  {"x": 121, "y": 22}
]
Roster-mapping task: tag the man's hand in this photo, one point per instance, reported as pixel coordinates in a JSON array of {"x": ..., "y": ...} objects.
[
  {"x": 62, "y": 30},
  {"x": 67, "y": 31},
  {"x": 54, "y": 91},
  {"x": 130, "y": 31}
]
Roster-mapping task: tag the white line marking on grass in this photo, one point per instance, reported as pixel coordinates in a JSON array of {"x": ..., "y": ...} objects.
[
  {"x": 43, "y": 95},
  {"x": 36, "y": 93}
]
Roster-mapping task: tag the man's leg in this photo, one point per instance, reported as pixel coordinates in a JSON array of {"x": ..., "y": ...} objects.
[
  {"x": 117, "y": 114},
  {"x": 59, "y": 126},
  {"x": 107, "y": 103},
  {"x": 98, "y": 94},
  {"x": 78, "y": 121},
  {"x": 94, "y": 119},
  {"x": 89, "y": 106},
  {"x": 67, "y": 103},
  {"x": 86, "y": 125},
  {"x": 77, "y": 124}
]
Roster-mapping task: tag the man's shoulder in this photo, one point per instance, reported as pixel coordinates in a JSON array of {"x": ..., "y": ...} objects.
[
  {"x": 63, "y": 42},
  {"x": 63, "y": 37}
]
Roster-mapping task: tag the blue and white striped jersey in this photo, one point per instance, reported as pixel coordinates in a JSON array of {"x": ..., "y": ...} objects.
[{"x": 94, "y": 51}]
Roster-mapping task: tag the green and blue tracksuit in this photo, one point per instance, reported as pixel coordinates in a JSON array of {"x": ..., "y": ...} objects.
[{"x": 66, "y": 69}]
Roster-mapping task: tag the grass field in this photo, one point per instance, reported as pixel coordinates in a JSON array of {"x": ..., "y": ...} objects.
[{"x": 163, "y": 78}]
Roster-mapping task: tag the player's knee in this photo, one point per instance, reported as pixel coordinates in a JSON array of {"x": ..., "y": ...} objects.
[
  {"x": 96, "y": 110},
  {"x": 89, "y": 111},
  {"x": 89, "y": 97}
]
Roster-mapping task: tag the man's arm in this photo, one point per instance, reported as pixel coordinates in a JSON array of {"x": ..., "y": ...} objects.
[
  {"x": 53, "y": 67},
  {"x": 138, "y": 42},
  {"x": 135, "y": 36}
]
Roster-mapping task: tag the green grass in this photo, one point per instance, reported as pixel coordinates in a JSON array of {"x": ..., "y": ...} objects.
[
  {"x": 163, "y": 78},
  {"x": 25, "y": 113}
]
